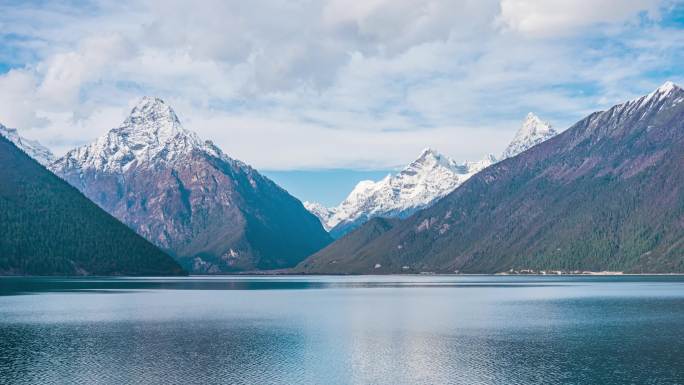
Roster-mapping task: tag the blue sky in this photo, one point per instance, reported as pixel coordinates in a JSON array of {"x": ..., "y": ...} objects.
[
  {"x": 328, "y": 187},
  {"x": 320, "y": 94}
]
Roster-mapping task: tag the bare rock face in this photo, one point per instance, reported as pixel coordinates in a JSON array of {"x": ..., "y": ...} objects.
[
  {"x": 212, "y": 213},
  {"x": 606, "y": 194}
]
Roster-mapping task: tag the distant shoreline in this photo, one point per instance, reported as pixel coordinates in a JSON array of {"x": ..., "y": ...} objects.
[
  {"x": 585, "y": 274},
  {"x": 283, "y": 274}
]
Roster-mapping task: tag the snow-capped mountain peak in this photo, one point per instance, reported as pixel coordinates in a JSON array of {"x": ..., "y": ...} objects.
[
  {"x": 429, "y": 177},
  {"x": 189, "y": 198},
  {"x": 429, "y": 153},
  {"x": 668, "y": 95},
  {"x": 429, "y": 159},
  {"x": 532, "y": 132},
  {"x": 151, "y": 133},
  {"x": 667, "y": 87},
  {"x": 153, "y": 118},
  {"x": 31, "y": 147},
  {"x": 665, "y": 90}
]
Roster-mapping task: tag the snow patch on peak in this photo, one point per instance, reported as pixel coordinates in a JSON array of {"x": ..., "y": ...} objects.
[
  {"x": 31, "y": 147},
  {"x": 532, "y": 132},
  {"x": 665, "y": 90},
  {"x": 667, "y": 87},
  {"x": 668, "y": 94}
]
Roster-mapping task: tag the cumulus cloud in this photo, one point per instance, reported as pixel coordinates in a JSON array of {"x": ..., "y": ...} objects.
[
  {"x": 18, "y": 99},
  {"x": 332, "y": 83},
  {"x": 65, "y": 74}
]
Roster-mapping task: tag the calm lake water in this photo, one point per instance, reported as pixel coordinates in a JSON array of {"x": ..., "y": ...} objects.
[{"x": 342, "y": 330}]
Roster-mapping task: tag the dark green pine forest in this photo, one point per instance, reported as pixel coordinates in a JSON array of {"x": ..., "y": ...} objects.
[{"x": 47, "y": 227}]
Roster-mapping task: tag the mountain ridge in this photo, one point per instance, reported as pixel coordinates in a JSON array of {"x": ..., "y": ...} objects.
[{"x": 605, "y": 194}]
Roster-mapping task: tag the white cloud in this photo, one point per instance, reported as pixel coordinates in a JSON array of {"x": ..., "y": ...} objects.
[
  {"x": 17, "y": 99},
  {"x": 284, "y": 84},
  {"x": 563, "y": 17},
  {"x": 65, "y": 74}
]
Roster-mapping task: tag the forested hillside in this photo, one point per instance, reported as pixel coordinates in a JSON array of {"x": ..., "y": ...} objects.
[{"x": 47, "y": 227}]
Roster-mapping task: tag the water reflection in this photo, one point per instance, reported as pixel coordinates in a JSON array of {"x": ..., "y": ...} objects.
[
  {"x": 342, "y": 330},
  {"x": 27, "y": 285}
]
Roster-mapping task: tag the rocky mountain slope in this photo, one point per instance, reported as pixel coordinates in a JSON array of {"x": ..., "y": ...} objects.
[
  {"x": 47, "y": 227},
  {"x": 31, "y": 147},
  {"x": 606, "y": 194},
  {"x": 213, "y": 213},
  {"x": 427, "y": 179}
]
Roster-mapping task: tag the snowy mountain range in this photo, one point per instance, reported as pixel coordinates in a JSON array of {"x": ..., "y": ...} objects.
[
  {"x": 211, "y": 212},
  {"x": 153, "y": 142},
  {"x": 31, "y": 147},
  {"x": 430, "y": 177}
]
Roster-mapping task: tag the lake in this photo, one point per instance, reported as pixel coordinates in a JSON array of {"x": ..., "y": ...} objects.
[{"x": 343, "y": 330}]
